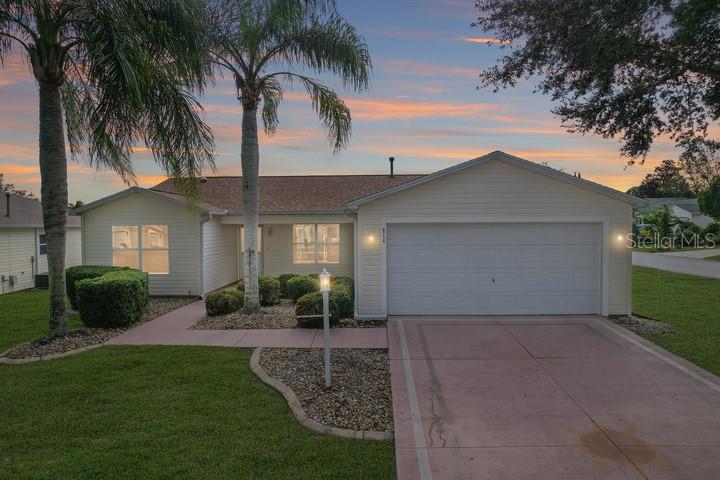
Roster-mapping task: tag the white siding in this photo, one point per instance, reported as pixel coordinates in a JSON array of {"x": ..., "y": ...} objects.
[
  {"x": 491, "y": 189},
  {"x": 220, "y": 254},
  {"x": 143, "y": 209},
  {"x": 17, "y": 247},
  {"x": 73, "y": 250}
]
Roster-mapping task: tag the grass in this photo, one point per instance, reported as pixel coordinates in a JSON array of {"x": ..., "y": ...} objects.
[
  {"x": 157, "y": 412},
  {"x": 690, "y": 304},
  {"x": 25, "y": 317},
  {"x": 714, "y": 258}
]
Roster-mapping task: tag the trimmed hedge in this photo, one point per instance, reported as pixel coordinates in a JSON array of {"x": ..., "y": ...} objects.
[
  {"x": 302, "y": 285},
  {"x": 269, "y": 287},
  {"x": 344, "y": 281},
  {"x": 115, "y": 299},
  {"x": 283, "y": 279},
  {"x": 340, "y": 301},
  {"x": 224, "y": 301},
  {"x": 81, "y": 272}
]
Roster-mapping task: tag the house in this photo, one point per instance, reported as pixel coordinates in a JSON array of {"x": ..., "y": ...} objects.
[
  {"x": 22, "y": 242},
  {"x": 683, "y": 208},
  {"x": 494, "y": 235}
]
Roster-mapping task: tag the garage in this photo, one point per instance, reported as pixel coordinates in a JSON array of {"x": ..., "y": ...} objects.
[{"x": 494, "y": 268}]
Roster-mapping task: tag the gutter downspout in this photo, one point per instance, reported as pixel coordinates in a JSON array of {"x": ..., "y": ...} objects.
[{"x": 356, "y": 246}]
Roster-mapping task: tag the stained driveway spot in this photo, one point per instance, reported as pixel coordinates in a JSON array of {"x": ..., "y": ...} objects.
[{"x": 545, "y": 397}]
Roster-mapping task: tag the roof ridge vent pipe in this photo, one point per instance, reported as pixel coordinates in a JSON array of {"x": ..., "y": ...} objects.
[
  {"x": 392, "y": 167},
  {"x": 7, "y": 204}
]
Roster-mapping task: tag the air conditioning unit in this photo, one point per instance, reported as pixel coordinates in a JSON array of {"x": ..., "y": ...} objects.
[
  {"x": 12, "y": 280},
  {"x": 42, "y": 280}
]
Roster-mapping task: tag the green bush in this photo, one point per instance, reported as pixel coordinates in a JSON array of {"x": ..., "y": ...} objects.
[
  {"x": 224, "y": 301},
  {"x": 283, "y": 279},
  {"x": 344, "y": 281},
  {"x": 115, "y": 299},
  {"x": 711, "y": 233},
  {"x": 301, "y": 285},
  {"x": 81, "y": 272},
  {"x": 340, "y": 301},
  {"x": 269, "y": 289}
]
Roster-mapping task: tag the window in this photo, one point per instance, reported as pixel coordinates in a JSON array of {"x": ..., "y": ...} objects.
[
  {"x": 144, "y": 247},
  {"x": 42, "y": 243},
  {"x": 316, "y": 243}
]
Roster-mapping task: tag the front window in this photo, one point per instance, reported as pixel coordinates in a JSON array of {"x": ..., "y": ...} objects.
[
  {"x": 143, "y": 247},
  {"x": 316, "y": 243}
]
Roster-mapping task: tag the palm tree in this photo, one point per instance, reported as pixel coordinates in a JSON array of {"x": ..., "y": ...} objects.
[
  {"x": 113, "y": 73},
  {"x": 264, "y": 45}
]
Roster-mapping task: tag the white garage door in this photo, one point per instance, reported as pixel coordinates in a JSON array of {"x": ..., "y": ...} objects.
[{"x": 493, "y": 269}]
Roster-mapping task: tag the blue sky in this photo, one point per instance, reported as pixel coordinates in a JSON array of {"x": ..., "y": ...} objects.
[{"x": 423, "y": 108}]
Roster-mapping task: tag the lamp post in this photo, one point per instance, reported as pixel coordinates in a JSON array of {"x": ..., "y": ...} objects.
[{"x": 325, "y": 289}]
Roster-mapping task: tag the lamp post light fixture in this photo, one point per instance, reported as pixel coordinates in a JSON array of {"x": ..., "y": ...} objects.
[{"x": 325, "y": 289}]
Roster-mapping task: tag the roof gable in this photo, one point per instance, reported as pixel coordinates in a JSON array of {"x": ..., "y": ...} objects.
[{"x": 511, "y": 159}]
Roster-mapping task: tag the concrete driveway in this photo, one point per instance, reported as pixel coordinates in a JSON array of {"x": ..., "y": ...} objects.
[
  {"x": 547, "y": 398},
  {"x": 676, "y": 263}
]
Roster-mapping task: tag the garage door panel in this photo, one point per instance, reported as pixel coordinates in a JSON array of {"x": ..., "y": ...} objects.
[{"x": 472, "y": 269}]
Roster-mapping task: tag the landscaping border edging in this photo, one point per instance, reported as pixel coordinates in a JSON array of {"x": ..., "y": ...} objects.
[
  {"x": 21, "y": 361},
  {"x": 300, "y": 414}
]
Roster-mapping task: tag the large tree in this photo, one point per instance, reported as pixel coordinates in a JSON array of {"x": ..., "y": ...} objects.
[
  {"x": 665, "y": 181},
  {"x": 631, "y": 69},
  {"x": 266, "y": 46},
  {"x": 110, "y": 74},
  {"x": 10, "y": 188}
]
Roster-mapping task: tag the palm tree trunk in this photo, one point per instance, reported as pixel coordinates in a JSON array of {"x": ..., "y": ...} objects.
[
  {"x": 54, "y": 198},
  {"x": 250, "y": 158}
]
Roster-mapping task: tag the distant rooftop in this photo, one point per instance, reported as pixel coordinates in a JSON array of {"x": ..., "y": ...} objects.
[{"x": 26, "y": 212}]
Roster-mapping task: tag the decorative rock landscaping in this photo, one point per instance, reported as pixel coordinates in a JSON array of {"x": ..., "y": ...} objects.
[
  {"x": 360, "y": 398},
  {"x": 643, "y": 325},
  {"x": 83, "y": 338}
]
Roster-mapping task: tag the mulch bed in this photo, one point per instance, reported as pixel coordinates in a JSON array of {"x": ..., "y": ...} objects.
[
  {"x": 86, "y": 337},
  {"x": 281, "y": 315},
  {"x": 360, "y": 397},
  {"x": 643, "y": 325}
]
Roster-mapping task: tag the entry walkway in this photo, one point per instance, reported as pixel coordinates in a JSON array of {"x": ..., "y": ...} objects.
[
  {"x": 174, "y": 329},
  {"x": 557, "y": 398}
]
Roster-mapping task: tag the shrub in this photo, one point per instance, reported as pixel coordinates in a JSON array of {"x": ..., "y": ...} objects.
[
  {"x": 269, "y": 289},
  {"x": 283, "y": 279},
  {"x": 711, "y": 233},
  {"x": 301, "y": 285},
  {"x": 341, "y": 302},
  {"x": 224, "y": 301},
  {"x": 341, "y": 306},
  {"x": 344, "y": 281},
  {"x": 81, "y": 272},
  {"x": 115, "y": 299}
]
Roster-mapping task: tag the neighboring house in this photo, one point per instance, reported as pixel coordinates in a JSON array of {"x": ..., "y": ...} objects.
[
  {"x": 22, "y": 242},
  {"x": 494, "y": 235},
  {"x": 683, "y": 208}
]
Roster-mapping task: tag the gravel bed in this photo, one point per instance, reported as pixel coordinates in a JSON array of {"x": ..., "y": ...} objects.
[
  {"x": 281, "y": 315},
  {"x": 85, "y": 337},
  {"x": 360, "y": 397},
  {"x": 642, "y": 325}
]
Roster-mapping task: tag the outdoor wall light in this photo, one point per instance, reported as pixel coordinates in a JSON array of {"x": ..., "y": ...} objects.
[
  {"x": 620, "y": 237},
  {"x": 371, "y": 238},
  {"x": 324, "y": 281}
]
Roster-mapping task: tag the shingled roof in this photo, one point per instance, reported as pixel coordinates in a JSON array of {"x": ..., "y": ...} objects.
[
  {"x": 26, "y": 212},
  {"x": 292, "y": 194}
]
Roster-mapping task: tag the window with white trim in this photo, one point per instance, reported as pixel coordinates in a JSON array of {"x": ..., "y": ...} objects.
[
  {"x": 144, "y": 247},
  {"x": 42, "y": 244},
  {"x": 316, "y": 243}
]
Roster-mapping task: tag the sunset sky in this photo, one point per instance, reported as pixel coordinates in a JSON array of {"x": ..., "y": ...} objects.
[{"x": 423, "y": 108}]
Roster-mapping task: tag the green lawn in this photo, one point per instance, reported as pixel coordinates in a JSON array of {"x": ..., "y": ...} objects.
[
  {"x": 690, "y": 304},
  {"x": 25, "y": 317},
  {"x": 715, "y": 258},
  {"x": 159, "y": 413}
]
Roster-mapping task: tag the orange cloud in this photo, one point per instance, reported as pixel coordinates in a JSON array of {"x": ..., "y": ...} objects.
[
  {"x": 19, "y": 169},
  {"x": 486, "y": 40},
  {"x": 426, "y": 69},
  {"x": 367, "y": 109}
]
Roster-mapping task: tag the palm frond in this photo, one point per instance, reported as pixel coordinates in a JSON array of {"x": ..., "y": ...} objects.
[{"x": 272, "y": 94}]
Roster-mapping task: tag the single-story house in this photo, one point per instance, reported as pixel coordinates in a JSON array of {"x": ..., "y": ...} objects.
[
  {"x": 22, "y": 242},
  {"x": 683, "y": 208},
  {"x": 493, "y": 235}
]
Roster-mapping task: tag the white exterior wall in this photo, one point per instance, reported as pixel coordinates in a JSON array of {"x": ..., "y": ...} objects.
[
  {"x": 19, "y": 245},
  {"x": 492, "y": 190},
  {"x": 143, "y": 209},
  {"x": 220, "y": 254}
]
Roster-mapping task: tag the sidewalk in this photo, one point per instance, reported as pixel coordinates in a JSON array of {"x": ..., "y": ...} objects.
[{"x": 174, "y": 329}]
